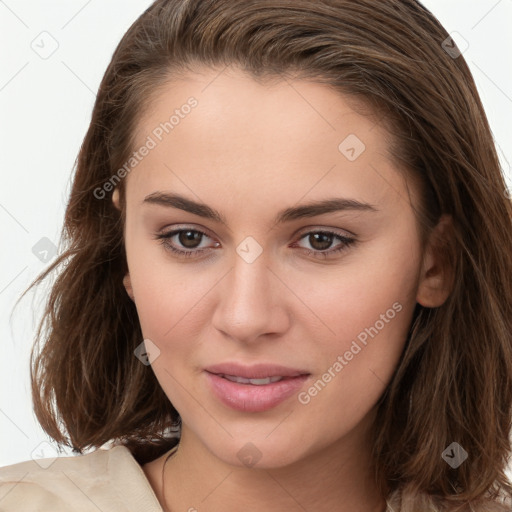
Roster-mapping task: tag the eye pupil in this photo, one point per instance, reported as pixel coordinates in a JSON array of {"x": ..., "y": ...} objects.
[
  {"x": 188, "y": 238},
  {"x": 324, "y": 239}
]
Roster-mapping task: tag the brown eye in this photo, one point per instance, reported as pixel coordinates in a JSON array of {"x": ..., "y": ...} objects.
[
  {"x": 320, "y": 241},
  {"x": 184, "y": 242},
  {"x": 190, "y": 239}
]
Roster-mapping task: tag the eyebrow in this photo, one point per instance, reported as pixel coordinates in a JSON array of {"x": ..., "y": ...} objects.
[{"x": 311, "y": 209}]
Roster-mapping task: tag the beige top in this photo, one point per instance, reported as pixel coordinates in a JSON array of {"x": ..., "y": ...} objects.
[{"x": 104, "y": 480}]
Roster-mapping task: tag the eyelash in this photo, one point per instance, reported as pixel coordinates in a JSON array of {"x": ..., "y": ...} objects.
[{"x": 164, "y": 240}]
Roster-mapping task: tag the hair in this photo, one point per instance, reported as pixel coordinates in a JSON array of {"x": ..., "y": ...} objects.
[{"x": 453, "y": 382}]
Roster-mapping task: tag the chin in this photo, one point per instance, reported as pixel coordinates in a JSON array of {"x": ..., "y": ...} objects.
[{"x": 258, "y": 453}]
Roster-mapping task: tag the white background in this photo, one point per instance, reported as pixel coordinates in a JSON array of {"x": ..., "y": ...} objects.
[{"x": 45, "y": 107}]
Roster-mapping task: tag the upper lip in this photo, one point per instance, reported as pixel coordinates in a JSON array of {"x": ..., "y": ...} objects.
[{"x": 256, "y": 371}]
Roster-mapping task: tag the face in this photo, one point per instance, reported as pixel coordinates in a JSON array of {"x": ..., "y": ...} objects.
[{"x": 237, "y": 258}]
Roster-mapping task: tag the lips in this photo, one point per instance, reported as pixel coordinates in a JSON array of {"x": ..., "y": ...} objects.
[{"x": 254, "y": 388}]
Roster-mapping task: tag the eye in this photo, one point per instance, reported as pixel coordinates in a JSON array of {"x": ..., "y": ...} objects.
[
  {"x": 188, "y": 238},
  {"x": 321, "y": 242}
]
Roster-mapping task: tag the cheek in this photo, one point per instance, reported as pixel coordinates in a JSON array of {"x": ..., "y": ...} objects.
[
  {"x": 368, "y": 311},
  {"x": 165, "y": 290},
  {"x": 356, "y": 367},
  {"x": 169, "y": 303},
  {"x": 169, "y": 309}
]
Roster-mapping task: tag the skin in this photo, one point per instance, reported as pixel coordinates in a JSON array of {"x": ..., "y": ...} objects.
[{"x": 250, "y": 150}]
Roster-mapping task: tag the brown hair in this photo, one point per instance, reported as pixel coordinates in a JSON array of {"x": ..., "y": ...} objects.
[{"x": 454, "y": 380}]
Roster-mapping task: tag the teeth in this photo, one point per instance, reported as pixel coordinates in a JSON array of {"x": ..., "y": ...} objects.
[{"x": 256, "y": 382}]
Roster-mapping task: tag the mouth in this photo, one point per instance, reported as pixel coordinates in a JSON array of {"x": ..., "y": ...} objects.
[{"x": 254, "y": 388}]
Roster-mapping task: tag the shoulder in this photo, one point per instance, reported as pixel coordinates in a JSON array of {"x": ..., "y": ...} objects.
[{"x": 103, "y": 479}]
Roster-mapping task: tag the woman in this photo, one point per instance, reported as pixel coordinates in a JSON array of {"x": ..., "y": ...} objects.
[{"x": 287, "y": 283}]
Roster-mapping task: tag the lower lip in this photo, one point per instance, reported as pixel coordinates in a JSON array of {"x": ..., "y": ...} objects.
[{"x": 253, "y": 398}]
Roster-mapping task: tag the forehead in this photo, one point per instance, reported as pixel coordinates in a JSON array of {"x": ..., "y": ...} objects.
[{"x": 215, "y": 129}]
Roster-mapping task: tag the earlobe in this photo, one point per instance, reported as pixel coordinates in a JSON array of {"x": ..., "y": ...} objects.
[
  {"x": 437, "y": 273},
  {"x": 115, "y": 198},
  {"x": 128, "y": 286}
]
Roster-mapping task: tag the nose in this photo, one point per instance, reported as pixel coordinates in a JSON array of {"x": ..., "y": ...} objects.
[{"x": 251, "y": 302}]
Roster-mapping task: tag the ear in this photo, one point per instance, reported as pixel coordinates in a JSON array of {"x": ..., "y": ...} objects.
[
  {"x": 128, "y": 286},
  {"x": 437, "y": 273},
  {"x": 115, "y": 198}
]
